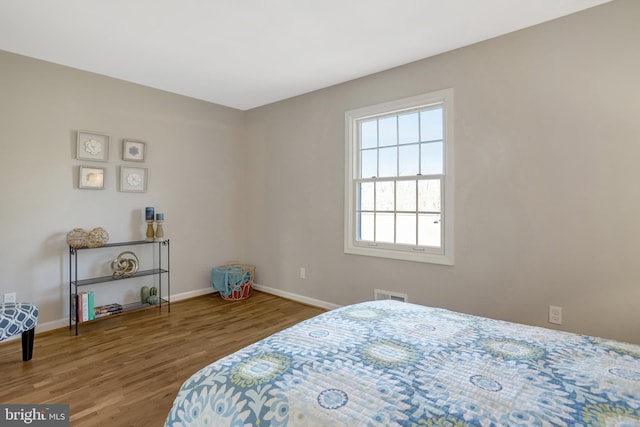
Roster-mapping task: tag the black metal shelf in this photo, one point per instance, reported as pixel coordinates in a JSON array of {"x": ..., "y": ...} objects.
[
  {"x": 103, "y": 279},
  {"x": 75, "y": 283},
  {"x": 132, "y": 243},
  {"x": 127, "y": 308}
]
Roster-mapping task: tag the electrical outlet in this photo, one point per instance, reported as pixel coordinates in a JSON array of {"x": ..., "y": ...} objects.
[
  {"x": 555, "y": 315},
  {"x": 303, "y": 273},
  {"x": 10, "y": 297}
]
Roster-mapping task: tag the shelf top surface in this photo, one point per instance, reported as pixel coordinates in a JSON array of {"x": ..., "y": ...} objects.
[{"x": 132, "y": 243}]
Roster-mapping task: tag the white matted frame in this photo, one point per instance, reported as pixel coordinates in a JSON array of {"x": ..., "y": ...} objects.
[
  {"x": 133, "y": 151},
  {"x": 91, "y": 178},
  {"x": 133, "y": 180},
  {"x": 92, "y": 146}
]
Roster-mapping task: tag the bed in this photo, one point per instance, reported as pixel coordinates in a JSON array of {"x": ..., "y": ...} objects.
[{"x": 390, "y": 363}]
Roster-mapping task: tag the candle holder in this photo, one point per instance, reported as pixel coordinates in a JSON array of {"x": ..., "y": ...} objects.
[
  {"x": 159, "y": 230},
  {"x": 150, "y": 233}
]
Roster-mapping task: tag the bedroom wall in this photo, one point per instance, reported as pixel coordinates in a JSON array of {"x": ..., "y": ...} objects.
[
  {"x": 546, "y": 158},
  {"x": 193, "y": 149}
]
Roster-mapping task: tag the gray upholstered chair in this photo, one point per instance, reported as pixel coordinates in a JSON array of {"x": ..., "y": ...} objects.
[{"x": 19, "y": 318}]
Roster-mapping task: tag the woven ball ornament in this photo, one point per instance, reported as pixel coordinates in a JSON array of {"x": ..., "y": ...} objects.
[
  {"x": 77, "y": 238},
  {"x": 97, "y": 237}
]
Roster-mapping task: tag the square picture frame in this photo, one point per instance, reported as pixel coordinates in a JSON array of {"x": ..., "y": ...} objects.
[
  {"x": 133, "y": 151},
  {"x": 92, "y": 146},
  {"x": 91, "y": 178},
  {"x": 133, "y": 180}
]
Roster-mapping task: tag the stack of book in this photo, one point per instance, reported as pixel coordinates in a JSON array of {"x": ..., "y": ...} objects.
[
  {"x": 107, "y": 310},
  {"x": 82, "y": 306},
  {"x": 84, "y": 310}
]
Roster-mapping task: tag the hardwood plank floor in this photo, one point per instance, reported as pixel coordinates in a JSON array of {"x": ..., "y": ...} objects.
[{"x": 126, "y": 370}]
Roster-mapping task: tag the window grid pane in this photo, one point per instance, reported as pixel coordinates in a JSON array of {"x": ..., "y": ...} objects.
[
  {"x": 388, "y": 161},
  {"x": 386, "y": 144},
  {"x": 388, "y": 131},
  {"x": 368, "y": 163},
  {"x": 385, "y": 232},
  {"x": 429, "y": 230},
  {"x": 406, "y": 196},
  {"x": 409, "y": 160},
  {"x": 391, "y": 208},
  {"x": 429, "y": 199},
  {"x": 409, "y": 128},
  {"x": 431, "y": 158},
  {"x": 406, "y": 232},
  {"x": 369, "y": 134},
  {"x": 366, "y": 196},
  {"x": 431, "y": 125},
  {"x": 366, "y": 227},
  {"x": 405, "y": 212},
  {"x": 385, "y": 195}
]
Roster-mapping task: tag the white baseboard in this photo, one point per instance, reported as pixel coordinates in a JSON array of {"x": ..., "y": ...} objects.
[
  {"x": 284, "y": 294},
  {"x": 61, "y": 323},
  {"x": 54, "y": 324},
  {"x": 296, "y": 297},
  {"x": 192, "y": 294}
]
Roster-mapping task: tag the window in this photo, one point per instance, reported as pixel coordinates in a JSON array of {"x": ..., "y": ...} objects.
[{"x": 399, "y": 179}]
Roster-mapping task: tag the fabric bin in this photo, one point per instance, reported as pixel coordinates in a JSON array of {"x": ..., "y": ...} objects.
[{"x": 234, "y": 281}]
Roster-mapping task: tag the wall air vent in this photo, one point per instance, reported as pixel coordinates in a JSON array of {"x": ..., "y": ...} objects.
[{"x": 379, "y": 294}]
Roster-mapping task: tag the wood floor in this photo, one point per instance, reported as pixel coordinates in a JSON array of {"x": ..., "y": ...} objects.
[{"x": 126, "y": 370}]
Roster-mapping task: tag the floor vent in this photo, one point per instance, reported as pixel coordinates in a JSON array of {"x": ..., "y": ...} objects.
[{"x": 379, "y": 294}]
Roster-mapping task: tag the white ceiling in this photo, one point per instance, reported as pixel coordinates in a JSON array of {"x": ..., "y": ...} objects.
[{"x": 248, "y": 53}]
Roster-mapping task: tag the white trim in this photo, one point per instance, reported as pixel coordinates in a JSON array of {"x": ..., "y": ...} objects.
[
  {"x": 296, "y": 297},
  {"x": 54, "y": 324},
  {"x": 192, "y": 294},
  {"x": 445, "y": 256}
]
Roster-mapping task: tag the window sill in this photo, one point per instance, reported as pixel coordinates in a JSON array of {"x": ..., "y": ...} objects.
[{"x": 418, "y": 256}]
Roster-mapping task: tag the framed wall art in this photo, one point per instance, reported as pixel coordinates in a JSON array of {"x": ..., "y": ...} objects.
[
  {"x": 133, "y": 180},
  {"x": 91, "y": 178},
  {"x": 92, "y": 146},
  {"x": 133, "y": 151}
]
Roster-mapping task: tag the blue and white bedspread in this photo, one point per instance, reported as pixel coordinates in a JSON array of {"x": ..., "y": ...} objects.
[{"x": 388, "y": 363}]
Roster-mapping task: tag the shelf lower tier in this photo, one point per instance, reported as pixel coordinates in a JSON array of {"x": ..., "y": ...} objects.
[
  {"x": 94, "y": 280},
  {"x": 126, "y": 308}
]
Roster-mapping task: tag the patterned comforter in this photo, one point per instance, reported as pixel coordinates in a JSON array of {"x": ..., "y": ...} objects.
[{"x": 388, "y": 363}]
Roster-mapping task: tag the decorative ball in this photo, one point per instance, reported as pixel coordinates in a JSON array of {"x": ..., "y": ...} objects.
[
  {"x": 97, "y": 237},
  {"x": 153, "y": 299},
  {"x": 77, "y": 238}
]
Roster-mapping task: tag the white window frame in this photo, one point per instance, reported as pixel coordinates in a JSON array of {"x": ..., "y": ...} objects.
[{"x": 441, "y": 255}]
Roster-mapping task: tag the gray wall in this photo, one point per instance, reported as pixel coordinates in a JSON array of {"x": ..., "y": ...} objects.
[
  {"x": 547, "y": 131},
  {"x": 193, "y": 149},
  {"x": 546, "y": 150}
]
